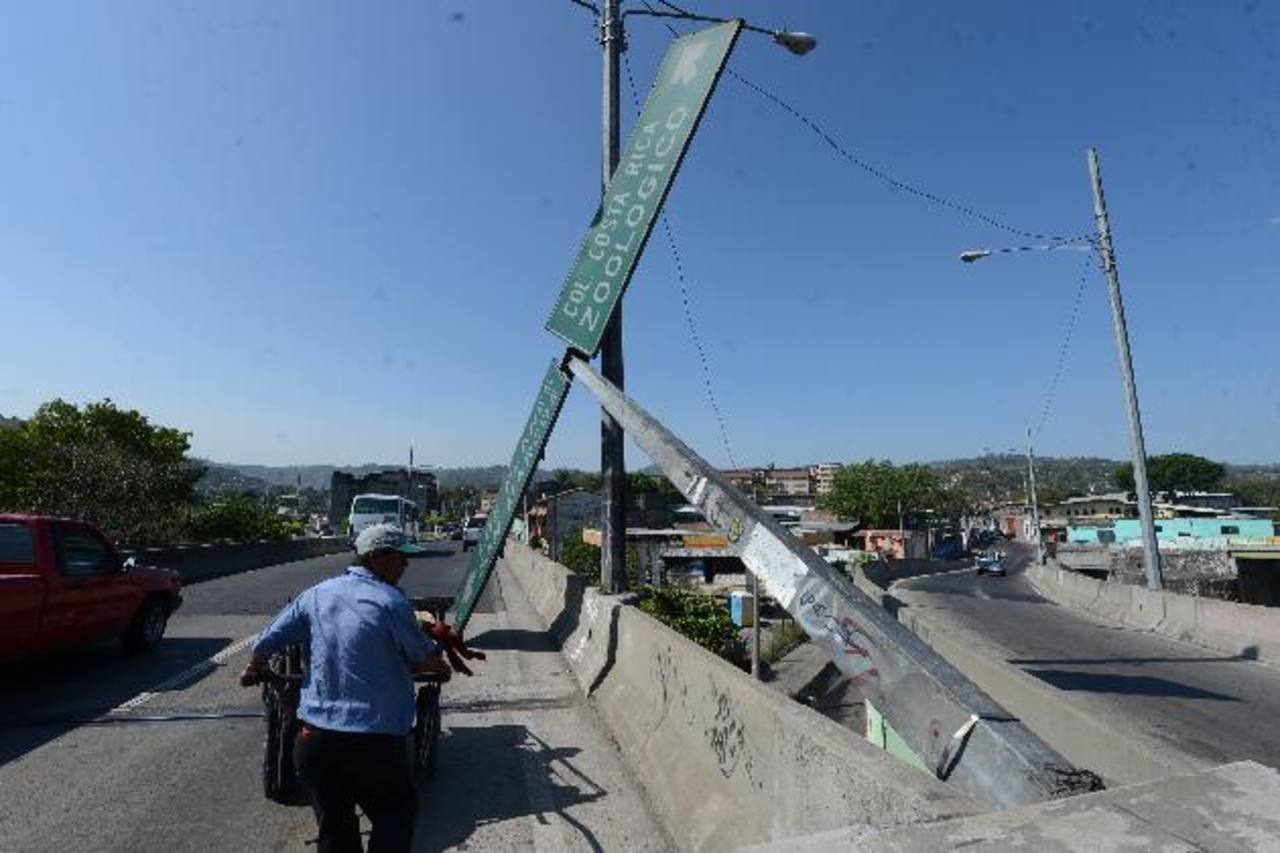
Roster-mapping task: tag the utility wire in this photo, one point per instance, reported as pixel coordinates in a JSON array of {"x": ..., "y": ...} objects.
[
  {"x": 893, "y": 182},
  {"x": 844, "y": 153},
  {"x": 875, "y": 172},
  {"x": 703, "y": 358},
  {"x": 1064, "y": 347}
]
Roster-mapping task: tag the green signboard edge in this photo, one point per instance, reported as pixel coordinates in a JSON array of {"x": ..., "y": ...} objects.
[
  {"x": 662, "y": 200},
  {"x": 486, "y": 553}
]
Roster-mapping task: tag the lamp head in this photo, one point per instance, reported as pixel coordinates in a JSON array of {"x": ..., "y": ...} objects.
[{"x": 797, "y": 43}]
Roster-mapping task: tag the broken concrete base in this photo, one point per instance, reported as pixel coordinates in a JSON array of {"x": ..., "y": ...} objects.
[{"x": 1232, "y": 807}]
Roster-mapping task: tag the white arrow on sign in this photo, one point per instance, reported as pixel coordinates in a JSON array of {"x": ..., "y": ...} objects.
[{"x": 686, "y": 70}]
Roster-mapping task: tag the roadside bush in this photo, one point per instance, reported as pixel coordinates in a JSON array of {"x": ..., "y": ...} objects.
[
  {"x": 240, "y": 519},
  {"x": 580, "y": 557},
  {"x": 584, "y": 558},
  {"x": 702, "y": 619}
]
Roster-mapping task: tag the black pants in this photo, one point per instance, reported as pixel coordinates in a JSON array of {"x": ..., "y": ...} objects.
[{"x": 342, "y": 770}]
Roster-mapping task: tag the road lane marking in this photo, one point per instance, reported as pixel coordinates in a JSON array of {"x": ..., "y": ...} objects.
[{"x": 189, "y": 674}]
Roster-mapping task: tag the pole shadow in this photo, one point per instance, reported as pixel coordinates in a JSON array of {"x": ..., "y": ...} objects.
[
  {"x": 496, "y": 773},
  {"x": 1129, "y": 685}
]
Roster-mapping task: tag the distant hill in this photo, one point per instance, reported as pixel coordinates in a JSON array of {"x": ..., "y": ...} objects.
[
  {"x": 993, "y": 477},
  {"x": 1003, "y": 476},
  {"x": 223, "y": 476}
]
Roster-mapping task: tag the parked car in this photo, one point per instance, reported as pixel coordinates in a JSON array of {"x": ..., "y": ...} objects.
[
  {"x": 472, "y": 529},
  {"x": 63, "y": 583}
]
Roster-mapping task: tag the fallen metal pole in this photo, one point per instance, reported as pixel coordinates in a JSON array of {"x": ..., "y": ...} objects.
[{"x": 954, "y": 727}]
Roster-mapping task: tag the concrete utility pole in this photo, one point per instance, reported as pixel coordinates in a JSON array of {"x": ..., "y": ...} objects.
[
  {"x": 1035, "y": 504},
  {"x": 613, "y": 516},
  {"x": 1150, "y": 548}
]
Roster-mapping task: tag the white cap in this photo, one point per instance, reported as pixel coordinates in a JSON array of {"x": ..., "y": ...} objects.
[{"x": 384, "y": 537}]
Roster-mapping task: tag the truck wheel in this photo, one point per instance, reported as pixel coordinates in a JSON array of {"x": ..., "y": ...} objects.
[{"x": 147, "y": 628}]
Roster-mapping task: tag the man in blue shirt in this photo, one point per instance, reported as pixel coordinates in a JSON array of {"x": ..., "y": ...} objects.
[{"x": 357, "y": 704}]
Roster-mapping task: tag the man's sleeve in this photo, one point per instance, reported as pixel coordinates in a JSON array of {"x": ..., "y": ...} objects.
[
  {"x": 290, "y": 626},
  {"x": 412, "y": 643}
]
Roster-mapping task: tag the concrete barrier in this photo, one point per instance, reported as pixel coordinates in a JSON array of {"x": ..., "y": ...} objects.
[
  {"x": 725, "y": 761},
  {"x": 557, "y": 596},
  {"x": 197, "y": 563},
  {"x": 1083, "y": 736},
  {"x": 1249, "y": 630},
  {"x": 1226, "y": 808}
]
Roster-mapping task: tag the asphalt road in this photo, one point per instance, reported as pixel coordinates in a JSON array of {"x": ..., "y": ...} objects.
[
  {"x": 1209, "y": 706},
  {"x": 104, "y": 752}
]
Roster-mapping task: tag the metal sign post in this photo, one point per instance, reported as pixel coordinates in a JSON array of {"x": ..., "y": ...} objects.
[
  {"x": 960, "y": 732},
  {"x": 546, "y": 409}
]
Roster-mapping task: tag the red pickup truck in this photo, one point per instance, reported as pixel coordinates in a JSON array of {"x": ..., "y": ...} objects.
[{"x": 62, "y": 583}]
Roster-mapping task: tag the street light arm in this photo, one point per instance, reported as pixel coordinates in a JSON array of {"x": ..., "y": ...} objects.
[
  {"x": 689, "y": 16},
  {"x": 797, "y": 43}
]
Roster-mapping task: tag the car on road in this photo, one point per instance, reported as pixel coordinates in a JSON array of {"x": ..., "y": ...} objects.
[
  {"x": 990, "y": 564},
  {"x": 472, "y": 529},
  {"x": 63, "y": 583}
]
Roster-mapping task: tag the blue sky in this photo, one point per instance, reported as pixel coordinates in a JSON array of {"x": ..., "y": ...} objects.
[{"x": 312, "y": 232}]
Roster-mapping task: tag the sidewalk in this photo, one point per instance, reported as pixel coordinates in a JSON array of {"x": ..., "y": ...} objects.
[{"x": 524, "y": 762}]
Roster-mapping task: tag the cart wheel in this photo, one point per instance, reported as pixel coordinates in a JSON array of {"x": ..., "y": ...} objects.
[
  {"x": 272, "y": 787},
  {"x": 426, "y": 730},
  {"x": 279, "y": 777}
]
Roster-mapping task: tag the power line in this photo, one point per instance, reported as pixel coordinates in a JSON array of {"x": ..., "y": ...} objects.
[
  {"x": 703, "y": 358},
  {"x": 874, "y": 171},
  {"x": 893, "y": 182},
  {"x": 1064, "y": 347}
]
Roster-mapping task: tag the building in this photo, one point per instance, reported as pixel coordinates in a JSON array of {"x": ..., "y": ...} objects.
[
  {"x": 1218, "y": 532},
  {"x": 788, "y": 483},
  {"x": 1221, "y": 501},
  {"x": 1101, "y": 507},
  {"x": 824, "y": 477},
  {"x": 552, "y": 518},
  {"x": 1009, "y": 519},
  {"x": 746, "y": 479},
  {"x": 420, "y": 488},
  {"x": 895, "y": 544}
]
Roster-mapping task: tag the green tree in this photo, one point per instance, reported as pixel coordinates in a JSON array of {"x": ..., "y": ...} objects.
[
  {"x": 873, "y": 492},
  {"x": 1181, "y": 472},
  {"x": 103, "y": 464},
  {"x": 571, "y": 478},
  {"x": 240, "y": 518}
]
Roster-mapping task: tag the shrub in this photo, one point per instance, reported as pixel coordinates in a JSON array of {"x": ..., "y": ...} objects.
[
  {"x": 241, "y": 519},
  {"x": 702, "y": 619},
  {"x": 580, "y": 557}
]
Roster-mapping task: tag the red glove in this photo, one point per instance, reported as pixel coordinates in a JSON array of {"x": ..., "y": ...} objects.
[{"x": 455, "y": 648}]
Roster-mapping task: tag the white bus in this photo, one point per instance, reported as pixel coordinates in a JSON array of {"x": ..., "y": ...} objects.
[{"x": 379, "y": 509}]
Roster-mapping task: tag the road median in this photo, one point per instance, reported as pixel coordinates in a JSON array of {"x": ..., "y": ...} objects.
[
  {"x": 726, "y": 761},
  {"x": 1248, "y": 630}
]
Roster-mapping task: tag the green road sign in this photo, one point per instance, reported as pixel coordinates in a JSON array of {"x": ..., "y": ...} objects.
[
  {"x": 555, "y": 387},
  {"x": 639, "y": 185}
]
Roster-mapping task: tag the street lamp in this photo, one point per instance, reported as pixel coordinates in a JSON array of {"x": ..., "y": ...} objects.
[
  {"x": 797, "y": 43},
  {"x": 1106, "y": 252},
  {"x": 613, "y": 522}
]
